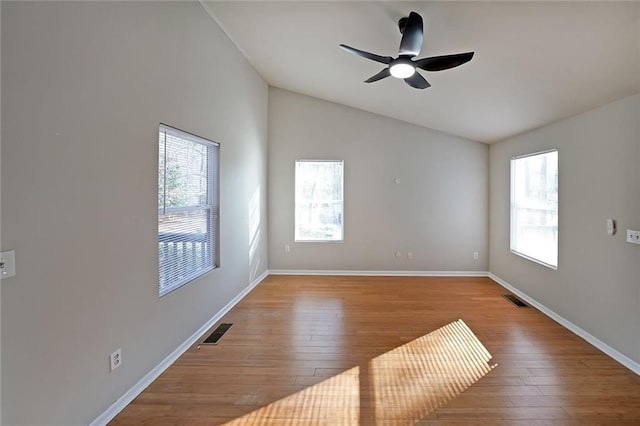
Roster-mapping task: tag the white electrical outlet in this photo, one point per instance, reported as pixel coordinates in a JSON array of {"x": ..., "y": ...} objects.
[
  {"x": 409, "y": 255},
  {"x": 633, "y": 236},
  {"x": 115, "y": 359},
  {"x": 287, "y": 248},
  {"x": 7, "y": 264},
  {"x": 475, "y": 255}
]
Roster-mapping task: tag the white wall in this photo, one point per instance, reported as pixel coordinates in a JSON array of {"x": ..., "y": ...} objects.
[
  {"x": 438, "y": 211},
  {"x": 597, "y": 284},
  {"x": 0, "y": 210},
  {"x": 85, "y": 85}
]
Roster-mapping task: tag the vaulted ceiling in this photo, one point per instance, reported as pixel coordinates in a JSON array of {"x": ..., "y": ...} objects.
[{"x": 535, "y": 62}]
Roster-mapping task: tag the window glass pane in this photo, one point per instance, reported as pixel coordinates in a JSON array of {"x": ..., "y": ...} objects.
[
  {"x": 187, "y": 207},
  {"x": 534, "y": 207},
  {"x": 319, "y": 201},
  {"x": 185, "y": 175},
  {"x": 184, "y": 246}
]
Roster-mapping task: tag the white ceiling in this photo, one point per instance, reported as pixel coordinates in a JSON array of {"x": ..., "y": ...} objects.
[{"x": 535, "y": 62}]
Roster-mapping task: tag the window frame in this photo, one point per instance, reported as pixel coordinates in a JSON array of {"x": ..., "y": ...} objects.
[
  {"x": 513, "y": 208},
  {"x": 211, "y": 209},
  {"x": 297, "y": 238}
]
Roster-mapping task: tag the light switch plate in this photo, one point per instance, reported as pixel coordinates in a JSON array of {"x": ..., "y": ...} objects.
[{"x": 7, "y": 264}]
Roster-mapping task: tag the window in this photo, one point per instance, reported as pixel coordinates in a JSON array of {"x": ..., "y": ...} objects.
[
  {"x": 319, "y": 201},
  {"x": 534, "y": 207},
  {"x": 187, "y": 207}
]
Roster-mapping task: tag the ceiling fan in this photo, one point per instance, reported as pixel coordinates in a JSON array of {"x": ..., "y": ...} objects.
[{"x": 404, "y": 66}]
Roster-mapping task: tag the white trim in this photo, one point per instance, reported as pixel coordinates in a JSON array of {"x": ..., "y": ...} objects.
[
  {"x": 533, "y": 259},
  {"x": 148, "y": 378},
  {"x": 621, "y": 358},
  {"x": 546, "y": 151},
  {"x": 380, "y": 273}
]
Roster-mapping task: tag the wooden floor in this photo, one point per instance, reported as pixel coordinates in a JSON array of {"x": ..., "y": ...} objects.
[{"x": 389, "y": 351}]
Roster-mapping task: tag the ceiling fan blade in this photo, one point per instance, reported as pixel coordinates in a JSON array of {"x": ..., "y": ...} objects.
[
  {"x": 412, "y": 35},
  {"x": 439, "y": 63},
  {"x": 372, "y": 56},
  {"x": 382, "y": 74},
  {"x": 417, "y": 81}
]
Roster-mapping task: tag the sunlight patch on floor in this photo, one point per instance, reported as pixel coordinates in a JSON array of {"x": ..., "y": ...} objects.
[
  {"x": 401, "y": 386},
  {"x": 333, "y": 401},
  {"x": 414, "y": 379}
]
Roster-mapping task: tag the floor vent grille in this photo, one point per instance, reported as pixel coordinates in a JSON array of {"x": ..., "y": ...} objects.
[
  {"x": 217, "y": 334},
  {"x": 515, "y": 300}
]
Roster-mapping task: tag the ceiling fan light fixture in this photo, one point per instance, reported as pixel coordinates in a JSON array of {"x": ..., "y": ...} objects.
[{"x": 402, "y": 69}]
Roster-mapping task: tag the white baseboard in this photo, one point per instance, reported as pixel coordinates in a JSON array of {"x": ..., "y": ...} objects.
[
  {"x": 621, "y": 358},
  {"x": 130, "y": 395},
  {"x": 380, "y": 273}
]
